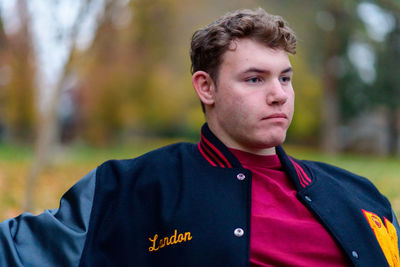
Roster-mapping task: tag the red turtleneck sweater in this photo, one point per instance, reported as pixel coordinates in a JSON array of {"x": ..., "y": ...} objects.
[{"x": 283, "y": 231}]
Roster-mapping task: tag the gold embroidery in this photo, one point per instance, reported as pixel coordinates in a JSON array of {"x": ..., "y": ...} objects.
[
  {"x": 386, "y": 236},
  {"x": 167, "y": 241}
]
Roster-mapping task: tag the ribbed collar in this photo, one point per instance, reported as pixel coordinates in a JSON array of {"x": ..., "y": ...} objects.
[
  {"x": 218, "y": 155},
  {"x": 254, "y": 160}
]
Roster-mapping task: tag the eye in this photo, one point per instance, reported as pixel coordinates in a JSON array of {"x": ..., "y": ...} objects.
[
  {"x": 285, "y": 79},
  {"x": 253, "y": 80}
]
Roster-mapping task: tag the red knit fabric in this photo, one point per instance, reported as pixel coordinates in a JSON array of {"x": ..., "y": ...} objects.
[{"x": 283, "y": 230}]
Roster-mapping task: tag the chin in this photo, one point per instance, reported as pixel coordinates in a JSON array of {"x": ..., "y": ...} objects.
[{"x": 274, "y": 141}]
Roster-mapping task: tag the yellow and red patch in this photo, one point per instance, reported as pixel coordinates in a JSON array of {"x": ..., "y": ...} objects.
[{"x": 386, "y": 236}]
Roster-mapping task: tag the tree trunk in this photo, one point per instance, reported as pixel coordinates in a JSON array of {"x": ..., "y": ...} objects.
[
  {"x": 47, "y": 131},
  {"x": 330, "y": 115},
  {"x": 45, "y": 141}
]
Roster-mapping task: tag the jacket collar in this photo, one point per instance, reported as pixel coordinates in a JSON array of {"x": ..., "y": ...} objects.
[
  {"x": 218, "y": 155},
  {"x": 214, "y": 151},
  {"x": 298, "y": 173}
]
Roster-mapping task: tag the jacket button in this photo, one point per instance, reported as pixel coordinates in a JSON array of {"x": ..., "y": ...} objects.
[
  {"x": 354, "y": 254},
  {"x": 241, "y": 176},
  {"x": 308, "y": 198},
  {"x": 238, "y": 232}
]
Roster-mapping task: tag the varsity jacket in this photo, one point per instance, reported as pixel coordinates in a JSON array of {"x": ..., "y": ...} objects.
[{"x": 189, "y": 205}]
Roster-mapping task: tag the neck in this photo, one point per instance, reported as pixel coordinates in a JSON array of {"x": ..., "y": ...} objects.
[
  {"x": 257, "y": 151},
  {"x": 231, "y": 143}
]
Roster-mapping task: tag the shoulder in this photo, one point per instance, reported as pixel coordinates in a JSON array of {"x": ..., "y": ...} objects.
[
  {"x": 166, "y": 153},
  {"x": 160, "y": 159},
  {"x": 324, "y": 169},
  {"x": 351, "y": 183}
]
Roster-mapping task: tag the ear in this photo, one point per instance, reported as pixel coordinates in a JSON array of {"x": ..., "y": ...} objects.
[{"x": 204, "y": 87}]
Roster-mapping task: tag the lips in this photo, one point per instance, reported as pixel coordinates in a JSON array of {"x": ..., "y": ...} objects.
[{"x": 276, "y": 116}]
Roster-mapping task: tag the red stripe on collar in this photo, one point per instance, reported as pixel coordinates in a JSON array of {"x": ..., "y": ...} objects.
[
  {"x": 208, "y": 152},
  {"x": 303, "y": 177},
  {"x": 205, "y": 156},
  {"x": 212, "y": 154},
  {"x": 216, "y": 151}
]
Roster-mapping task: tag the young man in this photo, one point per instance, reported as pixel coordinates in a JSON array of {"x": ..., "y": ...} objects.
[{"x": 233, "y": 199}]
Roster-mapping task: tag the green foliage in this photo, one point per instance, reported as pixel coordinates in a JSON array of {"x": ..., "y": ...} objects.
[
  {"x": 307, "y": 116},
  {"x": 17, "y": 101},
  {"x": 19, "y": 107},
  {"x": 135, "y": 79},
  {"x": 387, "y": 87}
]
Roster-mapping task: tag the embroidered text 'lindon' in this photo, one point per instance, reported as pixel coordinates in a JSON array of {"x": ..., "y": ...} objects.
[{"x": 167, "y": 241}]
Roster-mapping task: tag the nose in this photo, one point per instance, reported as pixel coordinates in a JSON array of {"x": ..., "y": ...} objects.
[{"x": 276, "y": 94}]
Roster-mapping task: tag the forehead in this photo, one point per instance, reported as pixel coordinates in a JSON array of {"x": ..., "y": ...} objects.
[{"x": 247, "y": 53}]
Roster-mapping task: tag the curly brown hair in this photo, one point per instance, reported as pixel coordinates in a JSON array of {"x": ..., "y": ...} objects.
[{"x": 210, "y": 43}]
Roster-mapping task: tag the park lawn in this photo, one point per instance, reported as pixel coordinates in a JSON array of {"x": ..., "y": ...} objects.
[{"x": 74, "y": 162}]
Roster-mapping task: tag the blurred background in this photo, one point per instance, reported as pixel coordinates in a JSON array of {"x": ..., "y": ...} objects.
[{"x": 83, "y": 81}]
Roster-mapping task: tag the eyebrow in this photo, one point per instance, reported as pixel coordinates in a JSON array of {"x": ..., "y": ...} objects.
[{"x": 289, "y": 69}]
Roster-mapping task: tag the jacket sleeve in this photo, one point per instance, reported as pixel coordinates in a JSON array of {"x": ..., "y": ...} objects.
[
  {"x": 396, "y": 225},
  {"x": 55, "y": 237}
]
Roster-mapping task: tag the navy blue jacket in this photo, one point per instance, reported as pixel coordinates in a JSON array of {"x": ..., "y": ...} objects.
[{"x": 189, "y": 205}]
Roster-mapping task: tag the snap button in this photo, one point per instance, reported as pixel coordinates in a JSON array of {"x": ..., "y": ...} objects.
[
  {"x": 241, "y": 176},
  {"x": 238, "y": 232},
  {"x": 308, "y": 198},
  {"x": 354, "y": 254}
]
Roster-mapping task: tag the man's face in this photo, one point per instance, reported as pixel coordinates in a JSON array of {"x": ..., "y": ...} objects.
[{"x": 253, "y": 98}]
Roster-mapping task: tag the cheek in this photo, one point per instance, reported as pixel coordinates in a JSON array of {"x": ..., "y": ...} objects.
[
  {"x": 291, "y": 101},
  {"x": 246, "y": 107},
  {"x": 232, "y": 103}
]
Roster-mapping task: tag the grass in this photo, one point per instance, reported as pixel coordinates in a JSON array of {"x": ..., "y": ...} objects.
[{"x": 72, "y": 163}]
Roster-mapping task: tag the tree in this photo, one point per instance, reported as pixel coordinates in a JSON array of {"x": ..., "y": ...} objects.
[
  {"x": 132, "y": 65},
  {"x": 3, "y": 68},
  {"x": 335, "y": 44},
  {"x": 19, "y": 109},
  {"x": 387, "y": 86},
  {"x": 47, "y": 126}
]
